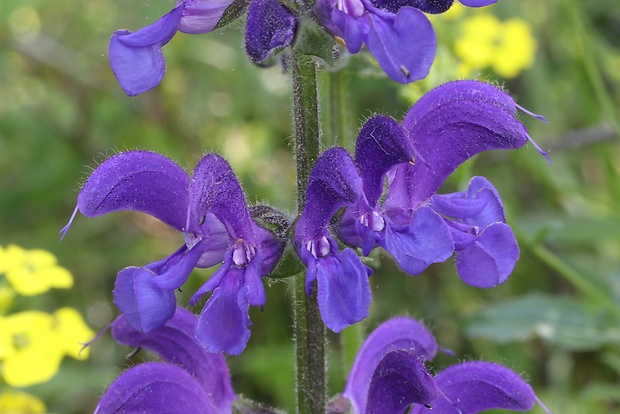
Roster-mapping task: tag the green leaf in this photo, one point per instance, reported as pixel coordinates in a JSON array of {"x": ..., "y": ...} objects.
[
  {"x": 312, "y": 40},
  {"x": 561, "y": 321}
]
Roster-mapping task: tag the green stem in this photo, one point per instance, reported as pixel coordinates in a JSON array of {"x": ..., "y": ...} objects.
[{"x": 309, "y": 328}]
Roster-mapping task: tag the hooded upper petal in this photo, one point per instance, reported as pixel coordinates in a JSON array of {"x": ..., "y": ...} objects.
[
  {"x": 175, "y": 343},
  {"x": 473, "y": 387},
  {"x": 400, "y": 379},
  {"x": 448, "y": 125},
  {"x": 396, "y": 334},
  {"x": 270, "y": 26},
  {"x": 334, "y": 183},
  {"x": 381, "y": 144},
  {"x": 137, "y": 180},
  {"x": 427, "y": 6},
  {"x": 155, "y": 387},
  {"x": 215, "y": 189}
]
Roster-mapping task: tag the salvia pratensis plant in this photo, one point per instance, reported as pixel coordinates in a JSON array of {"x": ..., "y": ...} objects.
[{"x": 385, "y": 195}]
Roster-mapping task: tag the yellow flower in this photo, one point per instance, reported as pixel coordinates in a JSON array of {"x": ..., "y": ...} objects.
[
  {"x": 32, "y": 272},
  {"x": 17, "y": 402},
  {"x": 33, "y": 343},
  {"x": 508, "y": 47}
]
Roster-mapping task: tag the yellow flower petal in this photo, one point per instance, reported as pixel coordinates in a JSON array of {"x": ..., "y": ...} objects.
[
  {"x": 32, "y": 351},
  {"x": 72, "y": 332},
  {"x": 32, "y": 272},
  {"x": 477, "y": 44},
  {"x": 517, "y": 49},
  {"x": 17, "y": 402}
]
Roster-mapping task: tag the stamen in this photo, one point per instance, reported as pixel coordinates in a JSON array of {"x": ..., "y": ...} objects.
[
  {"x": 372, "y": 220},
  {"x": 319, "y": 248},
  {"x": 243, "y": 253}
]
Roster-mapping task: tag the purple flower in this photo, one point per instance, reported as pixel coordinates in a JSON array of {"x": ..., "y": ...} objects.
[
  {"x": 389, "y": 375},
  {"x": 211, "y": 211},
  {"x": 190, "y": 380},
  {"x": 342, "y": 278},
  {"x": 397, "y": 32},
  {"x": 137, "y": 60},
  {"x": 447, "y": 126}
]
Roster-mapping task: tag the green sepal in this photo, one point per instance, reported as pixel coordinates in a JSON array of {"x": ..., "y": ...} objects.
[
  {"x": 312, "y": 40},
  {"x": 232, "y": 13},
  {"x": 271, "y": 219},
  {"x": 289, "y": 264}
]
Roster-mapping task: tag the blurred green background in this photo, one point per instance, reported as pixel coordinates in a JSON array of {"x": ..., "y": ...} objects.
[{"x": 556, "y": 320}]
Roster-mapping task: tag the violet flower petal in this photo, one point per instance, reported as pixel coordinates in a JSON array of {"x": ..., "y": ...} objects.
[
  {"x": 473, "y": 387},
  {"x": 136, "y": 58},
  {"x": 381, "y": 144},
  {"x": 344, "y": 291},
  {"x": 144, "y": 305},
  {"x": 386, "y": 39},
  {"x": 201, "y": 16},
  {"x": 334, "y": 183},
  {"x": 448, "y": 125},
  {"x": 155, "y": 387},
  {"x": 394, "y": 334},
  {"x": 477, "y": 3},
  {"x": 223, "y": 323},
  {"x": 353, "y": 30},
  {"x": 270, "y": 26},
  {"x": 489, "y": 260},
  {"x": 178, "y": 270},
  {"x": 215, "y": 189},
  {"x": 176, "y": 344},
  {"x": 479, "y": 206},
  {"x": 426, "y": 240},
  {"x": 427, "y": 6},
  {"x": 137, "y": 180},
  {"x": 399, "y": 380}
]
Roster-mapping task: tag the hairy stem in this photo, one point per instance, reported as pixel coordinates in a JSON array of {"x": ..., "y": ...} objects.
[{"x": 309, "y": 328}]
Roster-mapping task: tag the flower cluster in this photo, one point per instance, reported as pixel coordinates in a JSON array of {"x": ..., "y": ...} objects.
[
  {"x": 32, "y": 272},
  {"x": 137, "y": 60},
  {"x": 33, "y": 343},
  {"x": 388, "y": 376},
  {"x": 210, "y": 210},
  {"x": 508, "y": 47},
  {"x": 384, "y": 26},
  {"x": 417, "y": 226}
]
